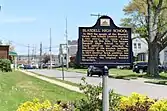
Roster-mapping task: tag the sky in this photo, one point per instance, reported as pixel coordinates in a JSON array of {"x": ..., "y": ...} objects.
[{"x": 28, "y": 21}]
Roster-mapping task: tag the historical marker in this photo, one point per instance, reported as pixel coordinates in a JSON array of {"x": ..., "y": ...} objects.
[{"x": 105, "y": 44}]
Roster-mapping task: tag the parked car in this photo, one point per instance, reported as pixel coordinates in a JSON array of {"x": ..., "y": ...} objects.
[
  {"x": 28, "y": 67},
  {"x": 94, "y": 71},
  {"x": 21, "y": 66},
  {"x": 141, "y": 67},
  {"x": 44, "y": 66}
]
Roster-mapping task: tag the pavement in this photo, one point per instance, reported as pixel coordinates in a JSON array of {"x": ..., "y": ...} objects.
[{"x": 123, "y": 87}]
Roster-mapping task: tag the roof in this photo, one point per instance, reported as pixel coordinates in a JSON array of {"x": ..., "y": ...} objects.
[
  {"x": 3, "y": 45},
  {"x": 12, "y": 53}
]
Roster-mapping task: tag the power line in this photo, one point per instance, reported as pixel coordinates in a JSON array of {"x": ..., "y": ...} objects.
[
  {"x": 49, "y": 47},
  {"x": 16, "y": 43}
]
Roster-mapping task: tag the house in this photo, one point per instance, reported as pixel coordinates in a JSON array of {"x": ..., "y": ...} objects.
[
  {"x": 73, "y": 47},
  {"x": 140, "y": 50},
  {"x": 6, "y": 54},
  {"x": 163, "y": 56},
  {"x": 4, "y": 51},
  {"x": 72, "y": 50}
]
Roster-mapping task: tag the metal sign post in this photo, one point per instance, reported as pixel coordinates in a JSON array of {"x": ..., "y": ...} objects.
[
  {"x": 62, "y": 66},
  {"x": 105, "y": 93}
]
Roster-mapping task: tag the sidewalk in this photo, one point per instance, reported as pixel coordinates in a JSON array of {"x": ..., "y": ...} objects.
[{"x": 67, "y": 86}]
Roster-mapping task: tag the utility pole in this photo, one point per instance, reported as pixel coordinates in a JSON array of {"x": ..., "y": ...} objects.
[
  {"x": 41, "y": 55},
  {"x": 28, "y": 54},
  {"x": 67, "y": 48},
  {"x": 32, "y": 57},
  {"x": 50, "y": 49},
  {"x": 35, "y": 54}
]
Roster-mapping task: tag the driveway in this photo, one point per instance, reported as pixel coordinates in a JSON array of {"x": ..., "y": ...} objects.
[{"x": 123, "y": 87}]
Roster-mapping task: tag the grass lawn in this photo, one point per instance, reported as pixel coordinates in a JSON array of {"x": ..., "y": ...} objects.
[
  {"x": 84, "y": 71},
  {"x": 111, "y": 71},
  {"x": 160, "y": 82},
  {"x": 16, "y": 88},
  {"x": 60, "y": 80},
  {"x": 120, "y": 73}
]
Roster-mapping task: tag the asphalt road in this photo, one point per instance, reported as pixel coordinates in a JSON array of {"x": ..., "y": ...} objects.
[{"x": 123, "y": 87}]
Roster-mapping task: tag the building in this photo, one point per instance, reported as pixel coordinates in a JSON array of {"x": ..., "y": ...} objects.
[
  {"x": 163, "y": 56},
  {"x": 140, "y": 48},
  {"x": 35, "y": 59},
  {"x": 72, "y": 48},
  {"x": 4, "y": 51},
  {"x": 6, "y": 54},
  {"x": 25, "y": 59}
]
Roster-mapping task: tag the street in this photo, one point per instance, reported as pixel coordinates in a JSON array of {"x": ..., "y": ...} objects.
[{"x": 123, "y": 87}]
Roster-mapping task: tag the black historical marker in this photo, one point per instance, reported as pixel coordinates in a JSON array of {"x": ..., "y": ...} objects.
[{"x": 105, "y": 44}]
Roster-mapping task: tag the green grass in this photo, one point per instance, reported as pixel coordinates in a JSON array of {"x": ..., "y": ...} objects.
[
  {"x": 111, "y": 71},
  {"x": 114, "y": 73},
  {"x": 120, "y": 74},
  {"x": 84, "y": 71},
  {"x": 160, "y": 82},
  {"x": 16, "y": 88},
  {"x": 63, "y": 81}
]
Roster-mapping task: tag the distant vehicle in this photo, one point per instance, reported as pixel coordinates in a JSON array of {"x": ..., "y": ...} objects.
[
  {"x": 28, "y": 67},
  {"x": 44, "y": 66},
  {"x": 125, "y": 67},
  {"x": 20, "y": 66},
  {"x": 141, "y": 67},
  {"x": 94, "y": 71}
]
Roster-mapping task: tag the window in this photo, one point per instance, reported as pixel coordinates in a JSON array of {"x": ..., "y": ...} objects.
[
  {"x": 139, "y": 45},
  {"x": 165, "y": 55},
  {"x": 135, "y": 46}
]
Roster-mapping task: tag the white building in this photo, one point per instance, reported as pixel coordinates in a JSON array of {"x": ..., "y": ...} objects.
[
  {"x": 140, "y": 50},
  {"x": 163, "y": 56},
  {"x": 72, "y": 48}
]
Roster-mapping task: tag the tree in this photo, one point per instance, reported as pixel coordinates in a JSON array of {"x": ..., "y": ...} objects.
[
  {"x": 11, "y": 46},
  {"x": 46, "y": 58},
  {"x": 1, "y": 42},
  {"x": 149, "y": 19}
]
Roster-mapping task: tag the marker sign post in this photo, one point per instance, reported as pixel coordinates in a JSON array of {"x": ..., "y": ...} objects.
[{"x": 104, "y": 44}]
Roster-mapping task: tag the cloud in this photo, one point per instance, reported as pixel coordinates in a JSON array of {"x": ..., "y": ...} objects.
[{"x": 18, "y": 20}]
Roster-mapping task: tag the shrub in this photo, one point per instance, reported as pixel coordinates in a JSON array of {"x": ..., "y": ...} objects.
[
  {"x": 72, "y": 64},
  {"x": 136, "y": 102},
  {"x": 5, "y": 65},
  {"x": 46, "y": 105},
  {"x": 93, "y": 101},
  {"x": 160, "y": 105}
]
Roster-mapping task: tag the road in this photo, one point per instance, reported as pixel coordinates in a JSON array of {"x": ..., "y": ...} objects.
[{"x": 123, "y": 87}]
